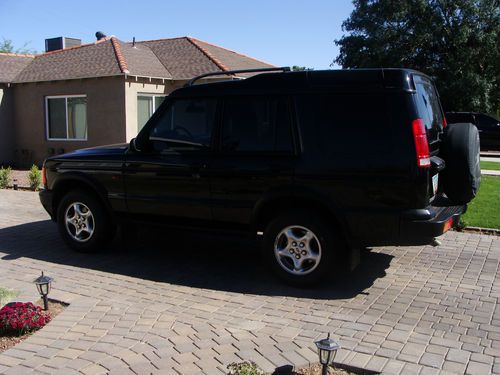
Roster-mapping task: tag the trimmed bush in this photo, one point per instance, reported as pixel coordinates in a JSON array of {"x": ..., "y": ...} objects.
[
  {"x": 5, "y": 177},
  {"x": 35, "y": 178}
]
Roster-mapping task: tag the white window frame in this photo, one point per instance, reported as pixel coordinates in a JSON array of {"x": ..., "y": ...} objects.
[
  {"x": 47, "y": 133},
  {"x": 154, "y": 96},
  {"x": 152, "y": 106}
]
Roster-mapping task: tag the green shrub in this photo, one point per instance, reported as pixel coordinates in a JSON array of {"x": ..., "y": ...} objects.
[
  {"x": 5, "y": 296},
  {"x": 34, "y": 177},
  {"x": 5, "y": 177},
  {"x": 244, "y": 368}
]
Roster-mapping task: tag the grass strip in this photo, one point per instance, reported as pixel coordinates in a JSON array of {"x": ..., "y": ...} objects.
[
  {"x": 484, "y": 210},
  {"x": 490, "y": 165}
]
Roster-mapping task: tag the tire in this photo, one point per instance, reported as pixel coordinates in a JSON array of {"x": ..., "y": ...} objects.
[
  {"x": 286, "y": 248},
  {"x": 83, "y": 222},
  {"x": 460, "y": 150}
]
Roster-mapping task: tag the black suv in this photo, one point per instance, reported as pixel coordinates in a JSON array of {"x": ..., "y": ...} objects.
[
  {"x": 318, "y": 163},
  {"x": 488, "y": 126}
]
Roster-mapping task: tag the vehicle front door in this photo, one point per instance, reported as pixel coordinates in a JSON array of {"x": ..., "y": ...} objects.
[{"x": 168, "y": 176}]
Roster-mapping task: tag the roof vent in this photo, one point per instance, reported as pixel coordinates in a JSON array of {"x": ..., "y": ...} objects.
[
  {"x": 100, "y": 35},
  {"x": 54, "y": 44}
]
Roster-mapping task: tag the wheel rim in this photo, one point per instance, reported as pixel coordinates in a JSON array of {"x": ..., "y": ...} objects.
[
  {"x": 79, "y": 222},
  {"x": 297, "y": 250}
]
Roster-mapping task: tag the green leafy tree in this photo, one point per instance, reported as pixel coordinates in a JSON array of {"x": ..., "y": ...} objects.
[
  {"x": 454, "y": 41},
  {"x": 297, "y": 68},
  {"x": 6, "y": 45}
]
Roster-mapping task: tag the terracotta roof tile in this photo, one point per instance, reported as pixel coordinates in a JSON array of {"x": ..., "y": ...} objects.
[
  {"x": 232, "y": 60},
  {"x": 181, "y": 57}
]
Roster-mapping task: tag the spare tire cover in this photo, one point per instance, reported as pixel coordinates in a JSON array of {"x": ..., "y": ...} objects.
[{"x": 460, "y": 150}]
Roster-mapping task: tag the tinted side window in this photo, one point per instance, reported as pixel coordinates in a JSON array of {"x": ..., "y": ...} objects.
[
  {"x": 486, "y": 122},
  {"x": 186, "y": 123},
  {"x": 353, "y": 125},
  {"x": 256, "y": 124}
]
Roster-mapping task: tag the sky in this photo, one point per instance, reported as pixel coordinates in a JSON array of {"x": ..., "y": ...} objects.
[{"x": 283, "y": 33}]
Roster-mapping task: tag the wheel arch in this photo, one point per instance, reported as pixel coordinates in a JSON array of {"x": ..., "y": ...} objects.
[
  {"x": 271, "y": 205},
  {"x": 79, "y": 181}
]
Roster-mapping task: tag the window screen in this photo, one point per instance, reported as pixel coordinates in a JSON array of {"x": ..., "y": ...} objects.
[
  {"x": 67, "y": 117},
  {"x": 146, "y": 106}
]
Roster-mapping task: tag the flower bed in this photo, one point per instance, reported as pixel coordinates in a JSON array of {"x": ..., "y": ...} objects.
[{"x": 18, "y": 318}]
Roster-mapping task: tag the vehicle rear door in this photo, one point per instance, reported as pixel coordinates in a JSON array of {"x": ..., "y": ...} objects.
[{"x": 255, "y": 157}]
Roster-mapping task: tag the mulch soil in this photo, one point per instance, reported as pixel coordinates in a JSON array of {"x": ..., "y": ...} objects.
[{"x": 316, "y": 370}]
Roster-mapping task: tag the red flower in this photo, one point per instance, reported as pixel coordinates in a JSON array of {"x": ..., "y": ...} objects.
[{"x": 18, "y": 318}]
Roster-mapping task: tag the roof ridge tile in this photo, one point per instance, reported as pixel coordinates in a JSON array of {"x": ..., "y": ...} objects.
[
  {"x": 230, "y": 50},
  {"x": 208, "y": 54},
  {"x": 13, "y": 54},
  {"x": 122, "y": 63}
]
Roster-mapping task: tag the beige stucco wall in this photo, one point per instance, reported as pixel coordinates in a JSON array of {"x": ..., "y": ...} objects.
[
  {"x": 133, "y": 88},
  {"x": 6, "y": 126},
  {"x": 105, "y": 115}
]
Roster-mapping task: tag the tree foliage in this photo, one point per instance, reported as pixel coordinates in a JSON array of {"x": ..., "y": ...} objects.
[
  {"x": 454, "y": 41},
  {"x": 6, "y": 45}
]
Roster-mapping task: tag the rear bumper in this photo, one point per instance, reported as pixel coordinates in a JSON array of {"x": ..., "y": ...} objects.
[
  {"x": 46, "y": 197},
  {"x": 421, "y": 225}
]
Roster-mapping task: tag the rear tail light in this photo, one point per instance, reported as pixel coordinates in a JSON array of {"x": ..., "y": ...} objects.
[
  {"x": 421, "y": 144},
  {"x": 445, "y": 123},
  {"x": 44, "y": 176},
  {"x": 447, "y": 225}
]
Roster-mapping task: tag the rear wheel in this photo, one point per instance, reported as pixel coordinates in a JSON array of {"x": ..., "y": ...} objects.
[
  {"x": 83, "y": 222},
  {"x": 301, "y": 248}
]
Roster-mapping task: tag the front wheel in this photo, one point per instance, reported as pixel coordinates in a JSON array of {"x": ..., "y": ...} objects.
[
  {"x": 83, "y": 222},
  {"x": 301, "y": 248}
]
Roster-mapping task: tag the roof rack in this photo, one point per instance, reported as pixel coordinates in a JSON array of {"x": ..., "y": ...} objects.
[{"x": 230, "y": 72}]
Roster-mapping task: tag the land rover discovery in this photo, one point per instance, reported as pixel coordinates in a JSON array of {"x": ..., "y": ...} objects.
[{"x": 319, "y": 163}]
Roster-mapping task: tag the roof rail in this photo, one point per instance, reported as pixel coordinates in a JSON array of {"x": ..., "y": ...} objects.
[{"x": 228, "y": 72}]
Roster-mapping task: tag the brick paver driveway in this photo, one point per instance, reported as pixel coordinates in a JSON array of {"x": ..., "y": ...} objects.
[{"x": 193, "y": 305}]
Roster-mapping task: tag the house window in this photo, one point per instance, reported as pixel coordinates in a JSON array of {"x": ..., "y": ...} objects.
[
  {"x": 146, "y": 106},
  {"x": 66, "y": 117}
]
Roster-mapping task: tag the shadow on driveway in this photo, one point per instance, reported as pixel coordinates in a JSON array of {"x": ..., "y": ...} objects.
[{"x": 199, "y": 261}]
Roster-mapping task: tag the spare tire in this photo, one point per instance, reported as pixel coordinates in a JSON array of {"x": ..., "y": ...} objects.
[{"x": 460, "y": 150}]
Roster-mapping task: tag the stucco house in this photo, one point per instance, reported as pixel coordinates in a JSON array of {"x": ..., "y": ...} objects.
[{"x": 94, "y": 94}]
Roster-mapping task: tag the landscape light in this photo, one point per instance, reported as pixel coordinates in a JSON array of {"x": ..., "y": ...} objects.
[
  {"x": 327, "y": 349},
  {"x": 43, "y": 284}
]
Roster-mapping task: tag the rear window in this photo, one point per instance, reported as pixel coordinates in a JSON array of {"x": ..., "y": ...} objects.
[
  {"x": 354, "y": 125},
  {"x": 429, "y": 109}
]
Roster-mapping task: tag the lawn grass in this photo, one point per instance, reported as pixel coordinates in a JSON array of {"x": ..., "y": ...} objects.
[
  {"x": 484, "y": 210},
  {"x": 491, "y": 165},
  {"x": 5, "y": 296}
]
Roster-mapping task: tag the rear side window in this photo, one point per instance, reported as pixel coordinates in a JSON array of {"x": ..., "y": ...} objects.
[
  {"x": 353, "y": 125},
  {"x": 429, "y": 109},
  {"x": 256, "y": 124}
]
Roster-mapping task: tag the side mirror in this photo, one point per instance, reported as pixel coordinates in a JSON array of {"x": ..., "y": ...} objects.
[{"x": 133, "y": 145}]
